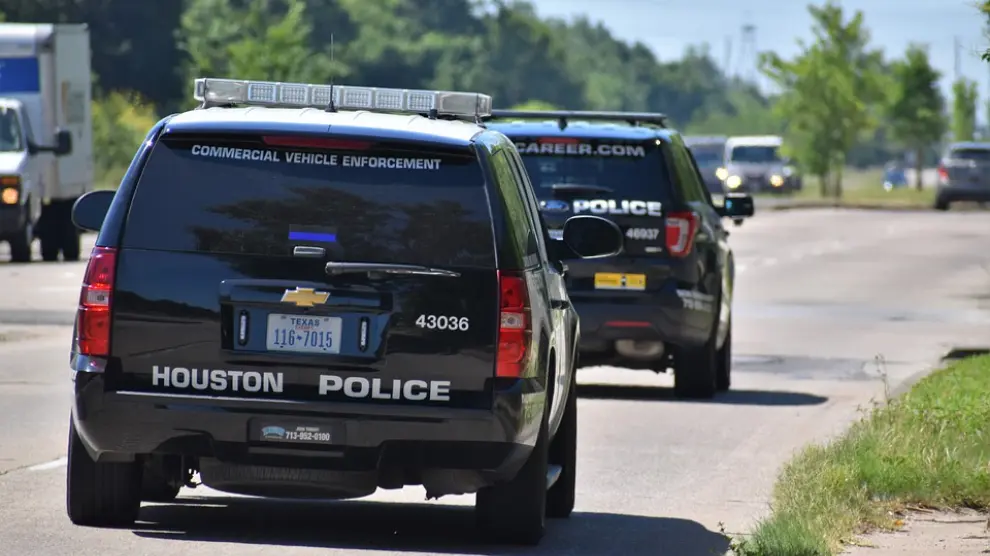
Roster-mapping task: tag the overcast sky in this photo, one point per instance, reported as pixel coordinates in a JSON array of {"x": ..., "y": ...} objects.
[{"x": 668, "y": 26}]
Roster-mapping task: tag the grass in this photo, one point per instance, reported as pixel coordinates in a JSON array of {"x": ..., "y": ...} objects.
[
  {"x": 928, "y": 448},
  {"x": 863, "y": 189}
]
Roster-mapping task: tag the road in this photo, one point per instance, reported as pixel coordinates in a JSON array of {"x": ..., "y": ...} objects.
[{"x": 820, "y": 294}]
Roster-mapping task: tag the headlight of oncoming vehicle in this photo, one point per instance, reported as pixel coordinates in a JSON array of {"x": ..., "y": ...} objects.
[
  {"x": 776, "y": 181},
  {"x": 721, "y": 174},
  {"x": 732, "y": 182}
]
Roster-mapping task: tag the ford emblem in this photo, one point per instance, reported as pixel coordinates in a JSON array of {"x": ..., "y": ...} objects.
[{"x": 555, "y": 206}]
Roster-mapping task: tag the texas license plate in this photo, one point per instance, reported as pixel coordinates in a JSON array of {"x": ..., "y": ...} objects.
[
  {"x": 302, "y": 334},
  {"x": 616, "y": 281}
]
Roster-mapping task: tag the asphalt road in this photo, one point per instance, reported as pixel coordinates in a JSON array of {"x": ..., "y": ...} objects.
[{"x": 820, "y": 294}]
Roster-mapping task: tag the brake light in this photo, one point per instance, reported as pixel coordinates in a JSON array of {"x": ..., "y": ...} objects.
[
  {"x": 681, "y": 227},
  {"x": 316, "y": 143},
  {"x": 514, "y": 327},
  {"x": 93, "y": 314},
  {"x": 943, "y": 173}
]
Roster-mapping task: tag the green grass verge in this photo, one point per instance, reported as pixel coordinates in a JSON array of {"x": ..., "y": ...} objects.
[
  {"x": 927, "y": 448},
  {"x": 862, "y": 189}
]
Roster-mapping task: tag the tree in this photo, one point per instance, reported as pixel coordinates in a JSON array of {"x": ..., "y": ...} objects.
[
  {"x": 964, "y": 97},
  {"x": 830, "y": 93},
  {"x": 253, "y": 42},
  {"x": 917, "y": 107}
]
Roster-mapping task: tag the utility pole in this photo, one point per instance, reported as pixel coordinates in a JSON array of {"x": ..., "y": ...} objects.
[
  {"x": 747, "y": 55},
  {"x": 727, "y": 59},
  {"x": 957, "y": 59}
]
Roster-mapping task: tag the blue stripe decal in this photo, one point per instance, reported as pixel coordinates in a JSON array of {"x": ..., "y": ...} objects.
[
  {"x": 313, "y": 236},
  {"x": 19, "y": 75}
]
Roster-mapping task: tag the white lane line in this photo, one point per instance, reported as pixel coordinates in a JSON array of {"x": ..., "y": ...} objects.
[{"x": 54, "y": 464}]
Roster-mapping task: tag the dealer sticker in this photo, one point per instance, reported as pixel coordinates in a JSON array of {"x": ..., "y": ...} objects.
[{"x": 275, "y": 433}]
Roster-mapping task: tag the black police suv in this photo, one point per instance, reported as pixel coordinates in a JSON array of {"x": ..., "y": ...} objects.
[
  {"x": 305, "y": 291},
  {"x": 666, "y": 300}
]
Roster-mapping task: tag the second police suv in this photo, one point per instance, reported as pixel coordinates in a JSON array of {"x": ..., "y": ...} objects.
[
  {"x": 666, "y": 300},
  {"x": 313, "y": 291}
]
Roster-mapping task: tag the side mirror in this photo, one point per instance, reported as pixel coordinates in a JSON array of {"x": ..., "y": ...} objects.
[
  {"x": 736, "y": 206},
  {"x": 591, "y": 237},
  {"x": 63, "y": 142},
  {"x": 89, "y": 210}
]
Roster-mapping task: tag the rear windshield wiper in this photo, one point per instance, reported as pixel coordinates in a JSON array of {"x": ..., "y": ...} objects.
[
  {"x": 579, "y": 187},
  {"x": 335, "y": 268}
]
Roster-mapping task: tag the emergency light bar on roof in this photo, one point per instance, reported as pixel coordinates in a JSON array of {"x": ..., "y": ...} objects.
[
  {"x": 562, "y": 116},
  {"x": 221, "y": 92}
]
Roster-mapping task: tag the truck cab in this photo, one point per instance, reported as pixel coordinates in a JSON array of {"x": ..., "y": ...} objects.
[
  {"x": 46, "y": 153},
  {"x": 20, "y": 180}
]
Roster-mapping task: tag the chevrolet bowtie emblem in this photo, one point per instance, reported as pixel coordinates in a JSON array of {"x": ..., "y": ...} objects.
[{"x": 305, "y": 297}]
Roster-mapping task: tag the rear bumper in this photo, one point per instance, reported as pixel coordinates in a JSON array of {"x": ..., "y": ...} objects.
[
  {"x": 667, "y": 318},
  {"x": 115, "y": 426},
  {"x": 970, "y": 194},
  {"x": 12, "y": 219}
]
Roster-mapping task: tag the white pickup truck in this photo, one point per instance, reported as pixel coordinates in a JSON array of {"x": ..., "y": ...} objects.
[{"x": 46, "y": 136}]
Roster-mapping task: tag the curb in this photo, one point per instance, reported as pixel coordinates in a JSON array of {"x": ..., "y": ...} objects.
[{"x": 846, "y": 206}]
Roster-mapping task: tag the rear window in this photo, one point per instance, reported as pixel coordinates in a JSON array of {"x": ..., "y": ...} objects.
[
  {"x": 632, "y": 170},
  {"x": 364, "y": 205},
  {"x": 755, "y": 154},
  {"x": 707, "y": 155},
  {"x": 978, "y": 155}
]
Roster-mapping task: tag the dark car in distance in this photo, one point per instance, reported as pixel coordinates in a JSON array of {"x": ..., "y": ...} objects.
[
  {"x": 709, "y": 153},
  {"x": 963, "y": 174},
  {"x": 665, "y": 302},
  {"x": 309, "y": 291}
]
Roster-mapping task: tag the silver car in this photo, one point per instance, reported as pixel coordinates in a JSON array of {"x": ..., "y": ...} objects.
[
  {"x": 963, "y": 174},
  {"x": 754, "y": 165}
]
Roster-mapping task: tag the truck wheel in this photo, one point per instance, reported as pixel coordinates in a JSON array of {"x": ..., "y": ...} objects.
[
  {"x": 723, "y": 376},
  {"x": 563, "y": 452},
  {"x": 514, "y": 512},
  {"x": 49, "y": 247},
  {"x": 695, "y": 370},
  {"x": 100, "y": 494},
  {"x": 71, "y": 242},
  {"x": 20, "y": 245},
  {"x": 941, "y": 203}
]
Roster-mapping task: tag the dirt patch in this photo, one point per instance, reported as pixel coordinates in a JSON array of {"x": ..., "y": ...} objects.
[
  {"x": 8, "y": 335},
  {"x": 929, "y": 532}
]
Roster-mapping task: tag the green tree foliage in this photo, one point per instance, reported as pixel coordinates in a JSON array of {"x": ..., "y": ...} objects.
[
  {"x": 831, "y": 91},
  {"x": 120, "y": 123},
  {"x": 917, "y": 107},
  {"x": 964, "y": 98}
]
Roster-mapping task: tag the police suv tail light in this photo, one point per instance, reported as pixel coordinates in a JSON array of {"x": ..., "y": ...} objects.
[
  {"x": 681, "y": 227},
  {"x": 943, "y": 174},
  {"x": 93, "y": 315},
  {"x": 344, "y": 97},
  {"x": 514, "y": 326}
]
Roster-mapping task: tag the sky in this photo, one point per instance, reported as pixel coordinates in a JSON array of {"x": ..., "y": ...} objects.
[{"x": 669, "y": 26}]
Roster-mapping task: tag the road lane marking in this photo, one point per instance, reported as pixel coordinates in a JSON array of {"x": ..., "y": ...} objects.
[{"x": 48, "y": 465}]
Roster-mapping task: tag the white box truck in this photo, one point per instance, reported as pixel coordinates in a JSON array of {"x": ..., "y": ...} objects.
[{"x": 46, "y": 136}]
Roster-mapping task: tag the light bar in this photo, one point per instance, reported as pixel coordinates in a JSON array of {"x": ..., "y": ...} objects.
[{"x": 345, "y": 97}]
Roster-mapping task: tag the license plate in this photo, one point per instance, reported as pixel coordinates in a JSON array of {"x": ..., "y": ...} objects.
[
  {"x": 302, "y": 334},
  {"x": 295, "y": 433},
  {"x": 616, "y": 281}
]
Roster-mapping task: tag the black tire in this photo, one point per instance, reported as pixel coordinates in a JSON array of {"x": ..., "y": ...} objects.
[
  {"x": 20, "y": 245},
  {"x": 71, "y": 242},
  {"x": 723, "y": 375},
  {"x": 100, "y": 494},
  {"x": 563, "y": 452},
  {"x": 696, "y": 369},
  {"x": 49, "y": 247},
  {"x": 941, "y": 203},
  {"x": 514, "y": 512}
]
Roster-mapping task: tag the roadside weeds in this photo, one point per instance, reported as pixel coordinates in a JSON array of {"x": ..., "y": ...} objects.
[{"x": 925, "y": 449}]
